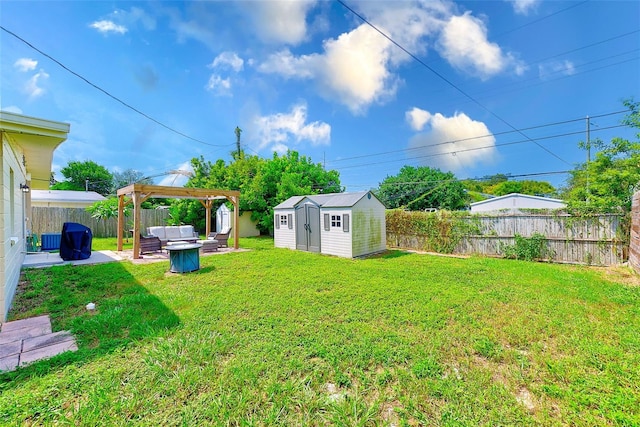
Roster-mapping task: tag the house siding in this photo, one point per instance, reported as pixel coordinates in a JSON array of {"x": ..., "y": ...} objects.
[
  {"x": 369, "y": 227},
  {"x": 335, "y": 241},
  {"x": 285, "y": 237},
  {"x": 11, "y": 226}
]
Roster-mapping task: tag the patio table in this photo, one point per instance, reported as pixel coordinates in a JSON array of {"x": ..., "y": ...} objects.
[{"x": 184, "y": 258}]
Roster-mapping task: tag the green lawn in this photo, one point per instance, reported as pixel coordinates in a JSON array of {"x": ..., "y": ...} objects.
[{"x": 278, "y": 337}]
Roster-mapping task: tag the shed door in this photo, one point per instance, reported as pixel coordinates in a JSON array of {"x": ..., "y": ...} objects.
[{"x": 308, "y": 228}]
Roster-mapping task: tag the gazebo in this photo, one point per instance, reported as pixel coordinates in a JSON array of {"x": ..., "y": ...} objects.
[{"x": 141, "y": 192}]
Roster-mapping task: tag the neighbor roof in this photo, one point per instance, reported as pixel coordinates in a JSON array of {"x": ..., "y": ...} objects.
[
  {"x": 332, "y": 200},
  {"x": 519, "y": 196},
  {"x": 65, "y": 196}
]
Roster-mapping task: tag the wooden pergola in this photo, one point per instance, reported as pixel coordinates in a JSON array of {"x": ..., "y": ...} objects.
[{"x": 138, "y": 193}]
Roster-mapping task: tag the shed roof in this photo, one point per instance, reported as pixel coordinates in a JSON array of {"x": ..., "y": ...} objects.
[
  {"x": 332, "y": 200},
  {"x": 65, "y": 196}
]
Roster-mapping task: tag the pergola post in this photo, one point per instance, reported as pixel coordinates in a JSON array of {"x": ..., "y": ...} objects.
[
  {"x": 236, "y": 221},
  {"x": 136, "y": 224},
  {"x": 207, "y": 207},
  {"x": 120, "y": 220}
]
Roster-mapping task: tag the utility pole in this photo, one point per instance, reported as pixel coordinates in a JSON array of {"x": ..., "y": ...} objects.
[
  {"x": 588, "y": 155},
  {"x": 238, "y": 131}
]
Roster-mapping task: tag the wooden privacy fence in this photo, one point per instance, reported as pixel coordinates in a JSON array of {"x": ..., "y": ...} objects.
[
  {"x": 634, "y": 240},
  {"x": 50, "y": 220},
  {"x": 593, "y": 240}
]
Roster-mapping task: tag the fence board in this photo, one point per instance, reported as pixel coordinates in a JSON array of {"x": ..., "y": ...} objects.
[
  {"x": 593, "y": 240},
  {"x": 634, "y": 244},
  {"x": 50, "y": 220}
]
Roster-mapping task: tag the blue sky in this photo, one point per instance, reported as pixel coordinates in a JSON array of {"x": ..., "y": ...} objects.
[{"x": 476, "y": 88}]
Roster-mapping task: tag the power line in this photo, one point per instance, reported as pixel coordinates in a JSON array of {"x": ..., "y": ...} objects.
[
  {"x": 535, "y": 21},
  {"x": 449, "y": 82},
  {"x": 581, "y": 119},
  {"x": 471, "y": 149},
  {"x": 169, "y": 128}
]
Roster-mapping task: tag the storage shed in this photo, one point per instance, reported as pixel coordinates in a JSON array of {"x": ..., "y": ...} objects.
[
  {"x": 343, "y": 224},
  {"x": 513, "y": 202}
]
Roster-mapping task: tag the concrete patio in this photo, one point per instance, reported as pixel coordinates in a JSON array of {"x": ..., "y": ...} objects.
[{"x": 29, "y": 340}]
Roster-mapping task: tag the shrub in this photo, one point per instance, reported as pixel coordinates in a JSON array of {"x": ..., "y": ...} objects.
[{"x": 527, "y": 248}]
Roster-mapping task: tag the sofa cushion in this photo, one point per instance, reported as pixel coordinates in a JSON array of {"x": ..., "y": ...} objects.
[
  {"x": 172, "y": 233},
  {"x": 186, "y": 231},
  {"x": 157, "y": 231}
]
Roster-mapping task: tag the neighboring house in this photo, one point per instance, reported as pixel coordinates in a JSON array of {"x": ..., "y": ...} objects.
[
  {"x": 27, "y": 150},
  {"x": 64, "y": 198},
  {"x": 224, "y": 220},
  {"x": 342, "y": 224},
  {"x": 514, "y": 202}
]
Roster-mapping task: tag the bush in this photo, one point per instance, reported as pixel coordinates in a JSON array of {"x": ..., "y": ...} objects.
[{"x": 527, "y": 248}]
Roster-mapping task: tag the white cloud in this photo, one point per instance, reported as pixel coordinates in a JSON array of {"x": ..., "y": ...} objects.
[
  {"x": 280, "y": 21},
  {"x": 454, "y": 143},
  {"x": 358, "y": 67},
  {"x": 133, "y": 16},
  {"x": 352, "y": 69},
  {"x": 417, "y": 118},
  {"x": 279, "y": 129},
  {"x": 218, "y": 85},
  {"x": 523, "y": 7},
  {"x": 12, "y": 109},
  {"x": 178, "y": 179},
  {"x": 548, "y": 70},
  {"x": 464, "y": 44},
  {"x": 32, "y": 86},
  {"x": 288, "y": 65},
  {"x": 26, "y": 64},
  {"x": 228, "y": 60},
  {"x": 105, "y": 27}
]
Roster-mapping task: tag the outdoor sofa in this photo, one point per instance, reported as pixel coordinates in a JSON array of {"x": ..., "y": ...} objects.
[{"x": 173, "y": 233}]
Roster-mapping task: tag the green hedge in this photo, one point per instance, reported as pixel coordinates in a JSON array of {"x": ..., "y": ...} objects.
[{"x": 441, "y": 230}]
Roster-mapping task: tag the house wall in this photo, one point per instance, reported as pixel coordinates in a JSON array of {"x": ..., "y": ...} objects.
[
  {"x": 12, "y": 205},
  {"x": 285, "y": 237},
  {"x": 634, "y": 242},
  {"x": 369, "y": 227},
  {"x": 247, "y": 225},
  {"x": 336, "y": 241}
]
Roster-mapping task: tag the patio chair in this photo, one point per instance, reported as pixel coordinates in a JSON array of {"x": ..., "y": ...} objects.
[
  {"x": 149, "y": 244},
  {"x": 221, "y": 237}
]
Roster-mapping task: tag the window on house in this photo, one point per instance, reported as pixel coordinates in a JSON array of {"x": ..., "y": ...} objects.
[
  {"x": 283, "y": 220},
  {"x": 336, "y": 221}
]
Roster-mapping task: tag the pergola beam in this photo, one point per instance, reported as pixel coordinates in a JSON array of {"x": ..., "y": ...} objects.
[{"x": 141, "y": 192}]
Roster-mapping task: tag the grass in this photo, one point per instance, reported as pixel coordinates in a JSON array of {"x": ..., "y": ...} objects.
[{"x": 278, "y": 337}]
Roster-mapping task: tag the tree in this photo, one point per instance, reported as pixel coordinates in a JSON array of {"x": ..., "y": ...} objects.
[
  {"x": 422, "y": 188},
  {"x": 263, "y": 183},
  {"x": 534, "y": 188},
  {"x": 127, "y": 177},
  {"x": 607, "y": 183},
  {"x": 107, "y": 208},
  {"x": 85, "y": 175}
]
